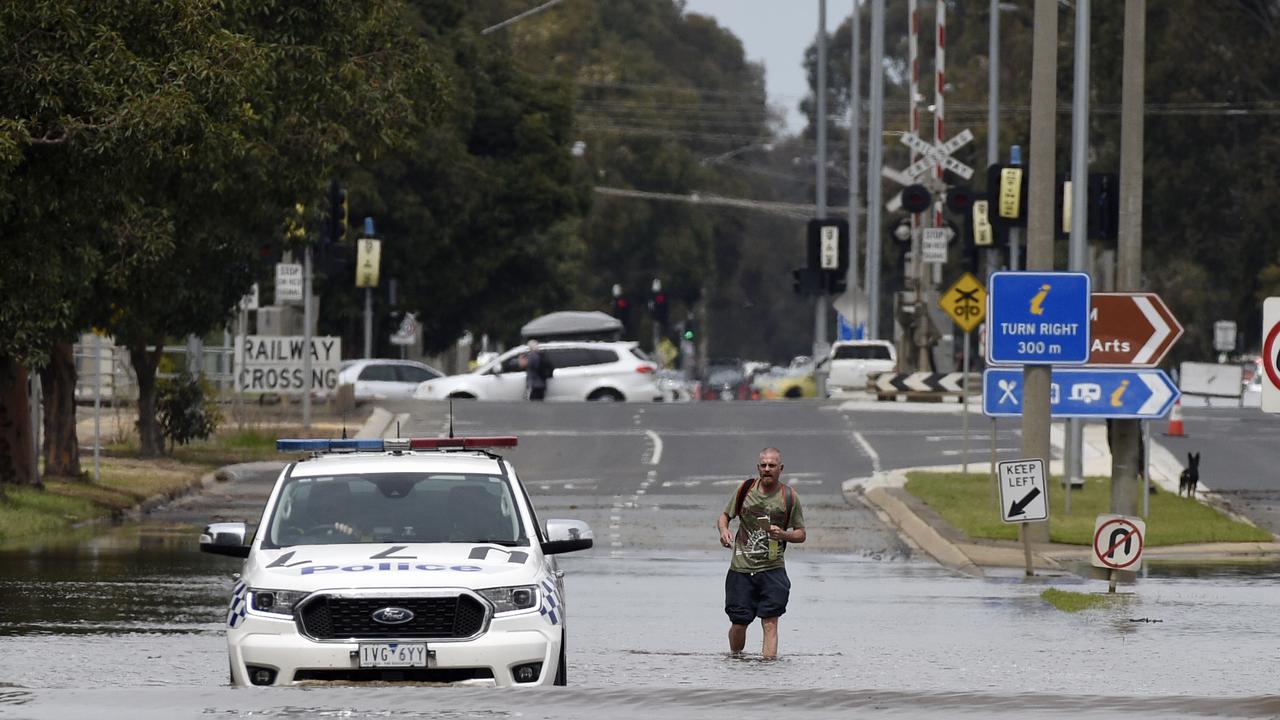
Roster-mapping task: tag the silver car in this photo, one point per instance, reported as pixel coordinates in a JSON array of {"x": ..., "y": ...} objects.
[{"x": 379, "y": 379}]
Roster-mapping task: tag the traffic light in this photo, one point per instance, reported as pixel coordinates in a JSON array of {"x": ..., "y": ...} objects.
[
  {"x": 959, "y": 200},
  {"x": 690, "y": 330},
  {"x": 916, "y": 198},
  {"x": 621, "y": 308},
  {"x": 337, "y": 212},
  {"x": 807, "y": 281},
  {"x": 660, "y": 310}
]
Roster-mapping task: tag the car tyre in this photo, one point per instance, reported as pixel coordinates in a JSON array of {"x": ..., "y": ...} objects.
[
  {"x": 794, "y": 393},
  {"x": 606, "y": 395},
  {"x": 462, "y": 396},
  {"x": 562, "y": 670}
]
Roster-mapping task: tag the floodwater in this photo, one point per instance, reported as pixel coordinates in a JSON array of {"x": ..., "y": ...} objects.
[{"x": 129, "y": 624}]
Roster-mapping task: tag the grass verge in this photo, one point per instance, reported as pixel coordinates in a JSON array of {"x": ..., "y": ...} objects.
[
  {"x": 1068, "y": 601},
  {"x": 32, "y": 516},
  {"x": 970, "y": 504}
]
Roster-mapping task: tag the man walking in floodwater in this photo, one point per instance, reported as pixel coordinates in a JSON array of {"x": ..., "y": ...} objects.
[{"x": 757, "y": 586}]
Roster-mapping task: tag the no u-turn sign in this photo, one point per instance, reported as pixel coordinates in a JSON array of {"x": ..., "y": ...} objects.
[{"x": 1118, "y": 541}]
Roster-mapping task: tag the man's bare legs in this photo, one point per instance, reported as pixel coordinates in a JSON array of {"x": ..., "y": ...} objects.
[
  {"x": 737, "y": 638},
  {"x": 770, "y": 626}
]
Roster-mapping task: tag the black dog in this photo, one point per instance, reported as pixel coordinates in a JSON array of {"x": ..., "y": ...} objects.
[{"x": 1190, "y": 476}]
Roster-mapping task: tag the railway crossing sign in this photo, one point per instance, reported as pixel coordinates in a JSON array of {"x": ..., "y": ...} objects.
[
  {"x": 1023, "y": 496},
  {"x": 932, "y": 154},
  {"x": 1117, "y": 542},
  {"x": 1038, "y": 318},
  {"x": 966, "y": 302}
]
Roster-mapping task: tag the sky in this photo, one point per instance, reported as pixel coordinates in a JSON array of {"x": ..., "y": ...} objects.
[{"x": 775, "y": 33}]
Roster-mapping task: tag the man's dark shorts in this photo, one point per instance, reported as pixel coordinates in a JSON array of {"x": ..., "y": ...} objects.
[{"x": 749, "y": 596}]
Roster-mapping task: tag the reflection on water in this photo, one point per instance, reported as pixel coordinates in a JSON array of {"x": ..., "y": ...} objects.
[{"x": 130, "y": 625}]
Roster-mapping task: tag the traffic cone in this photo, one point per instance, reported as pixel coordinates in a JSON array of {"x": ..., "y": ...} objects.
[{"x": 1175, "y": 420}]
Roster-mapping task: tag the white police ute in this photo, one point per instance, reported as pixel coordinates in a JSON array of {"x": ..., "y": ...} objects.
[{"x": 415, "y": 560}]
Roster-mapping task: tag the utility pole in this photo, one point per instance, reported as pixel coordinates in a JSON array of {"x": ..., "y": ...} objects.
[
  {"x": 1126, "y": 435},
  {"x": 1079, "y": 214},
  {"x": 855, "y": 137},
  {"x": 368, "y": 301},
  {"x": 306, "y": 337},
  {"x": 875, "y": 159},
  {"x": 1044, "y": 101},
  {"x": 993, "y": 112},
  {"x": 820, "y": 117}
]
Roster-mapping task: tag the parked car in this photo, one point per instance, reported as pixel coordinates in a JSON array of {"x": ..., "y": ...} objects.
[
  {"x": 398, "y": 561},
  {"x": 725, "y": 380},
  {"x": 853, "y": 361},
  {"x": 584, "y": 370},
  {"x": 379, "y": 379},
  {"x": 786, "y": 383}
]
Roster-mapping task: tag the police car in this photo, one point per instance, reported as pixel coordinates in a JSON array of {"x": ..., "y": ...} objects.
[{"x": 418, "y": 560}]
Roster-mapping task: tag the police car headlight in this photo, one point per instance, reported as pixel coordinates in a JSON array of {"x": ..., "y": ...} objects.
[
  {"x": 511, "y": 599},
  {"x": 276, "y": 602}
]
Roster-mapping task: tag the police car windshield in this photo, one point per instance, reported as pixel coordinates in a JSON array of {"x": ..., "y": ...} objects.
[{"x": 395, "y": 507}]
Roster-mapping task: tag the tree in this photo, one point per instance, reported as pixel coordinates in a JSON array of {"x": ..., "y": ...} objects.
[{"x": 145, "y": 146}]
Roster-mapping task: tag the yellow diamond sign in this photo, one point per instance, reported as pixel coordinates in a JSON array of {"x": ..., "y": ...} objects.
[{"x": 966, "y": 302}]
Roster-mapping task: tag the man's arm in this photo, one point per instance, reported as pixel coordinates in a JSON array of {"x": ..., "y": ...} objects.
[
  {"x": 722, "y": 524},
  {"x": 795, "y": 535}
]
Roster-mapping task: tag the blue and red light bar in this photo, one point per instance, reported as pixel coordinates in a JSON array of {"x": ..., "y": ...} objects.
[{"x": 380, "y": 445}]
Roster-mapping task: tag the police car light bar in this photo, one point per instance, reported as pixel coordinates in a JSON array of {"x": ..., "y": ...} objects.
[
  {"x": 463, "y": 442},
  {"x": 379, "y": 445}
]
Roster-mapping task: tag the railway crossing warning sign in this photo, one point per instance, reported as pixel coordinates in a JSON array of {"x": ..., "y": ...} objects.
[
  {"x": 966, "y": 302},
  {"x": 1117, "y": 542}
]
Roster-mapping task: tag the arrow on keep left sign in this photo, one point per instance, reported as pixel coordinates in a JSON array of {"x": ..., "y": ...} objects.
[{"x": 1019, "y": 507}]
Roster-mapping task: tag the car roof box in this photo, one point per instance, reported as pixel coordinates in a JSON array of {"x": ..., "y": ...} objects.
[{"x": 573, "y": 325}]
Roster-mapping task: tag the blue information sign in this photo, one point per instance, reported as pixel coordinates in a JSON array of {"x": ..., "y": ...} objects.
[
  {"x": 1142, "y": 393},
  {"x": 1039, "y": 318}
]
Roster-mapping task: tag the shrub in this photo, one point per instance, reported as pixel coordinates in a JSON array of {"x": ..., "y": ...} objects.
[{"x": 184, "y": 410}]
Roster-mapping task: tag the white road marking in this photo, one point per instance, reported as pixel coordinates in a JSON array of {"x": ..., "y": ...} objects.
[
  {"x": 657, "y": 447},
  {"x": 870, "y": 451}
]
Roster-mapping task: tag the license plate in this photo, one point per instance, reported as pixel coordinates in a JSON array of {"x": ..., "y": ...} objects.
[{"x": 379, "y": 655}]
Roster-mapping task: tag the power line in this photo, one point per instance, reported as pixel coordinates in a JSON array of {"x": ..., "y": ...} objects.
[{"x": 793, "y": 210}]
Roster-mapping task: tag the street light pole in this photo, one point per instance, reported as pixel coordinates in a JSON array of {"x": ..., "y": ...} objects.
[
  {"x": 875, "y": 158},
  {"x": 820, "y": 117}
]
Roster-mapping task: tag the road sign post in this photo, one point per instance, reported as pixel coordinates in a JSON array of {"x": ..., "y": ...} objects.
[
  {"x": 1024, "y": 497},
  {"x": 1117, "y": 545},
  {"x": 966, "y": 302}
]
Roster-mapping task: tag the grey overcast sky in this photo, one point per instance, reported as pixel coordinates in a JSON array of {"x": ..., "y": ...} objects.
[{"x": 776, "y": 32}]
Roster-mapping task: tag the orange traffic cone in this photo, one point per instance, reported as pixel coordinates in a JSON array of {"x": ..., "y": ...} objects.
[{"x": 1175, "y": 420}]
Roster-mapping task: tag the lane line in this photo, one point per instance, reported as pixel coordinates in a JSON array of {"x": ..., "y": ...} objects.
[
  {"x": 657, "y": 447},
  {"x": 870, "y": 451}
]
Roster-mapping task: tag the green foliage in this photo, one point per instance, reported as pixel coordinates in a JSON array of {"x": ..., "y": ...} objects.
[
  {"x": 1068, "y": 601},
  {"x": 971, "y": 504},
  {"x": 185, "y": 410}
]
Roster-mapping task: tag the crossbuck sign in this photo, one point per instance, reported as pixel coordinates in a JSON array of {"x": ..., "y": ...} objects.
[{"x": 938, "y": 154}]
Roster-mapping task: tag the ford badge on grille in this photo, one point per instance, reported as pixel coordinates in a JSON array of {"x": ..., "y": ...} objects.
[{"x": 392, "y": 615}]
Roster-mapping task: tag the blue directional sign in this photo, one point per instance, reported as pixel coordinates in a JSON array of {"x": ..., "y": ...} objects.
[
  {"x": 1141, "y": 393},
  {"x": 1038, "y": 318}
]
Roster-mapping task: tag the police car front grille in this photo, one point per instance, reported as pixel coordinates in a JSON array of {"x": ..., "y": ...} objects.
[{"x": 330, "y": 617}]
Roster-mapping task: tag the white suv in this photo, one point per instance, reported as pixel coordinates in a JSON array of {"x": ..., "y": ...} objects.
[
  {"x": 604, "y": 371},
  {"x": 398, "y": 560},
  {"x": 853, "y": 361}
]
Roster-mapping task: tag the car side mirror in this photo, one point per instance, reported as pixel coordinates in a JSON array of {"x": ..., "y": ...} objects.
[
  {"x": 225, "y": 538},
  {"x": 567, "y": 536}
]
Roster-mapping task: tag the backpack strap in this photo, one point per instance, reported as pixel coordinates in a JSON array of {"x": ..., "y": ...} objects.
[
  {"x": 789, "y": 499},
  {"x": 743, "y": 489}
]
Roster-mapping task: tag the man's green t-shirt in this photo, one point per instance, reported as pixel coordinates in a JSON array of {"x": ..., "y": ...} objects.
[{"x": 751, "y": 544}]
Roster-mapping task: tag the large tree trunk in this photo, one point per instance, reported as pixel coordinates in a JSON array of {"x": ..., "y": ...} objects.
[
  {"x": 17, "y": 456},
  {"x": 61, "y": 446},
  {"x": 144, "y": 366}
]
